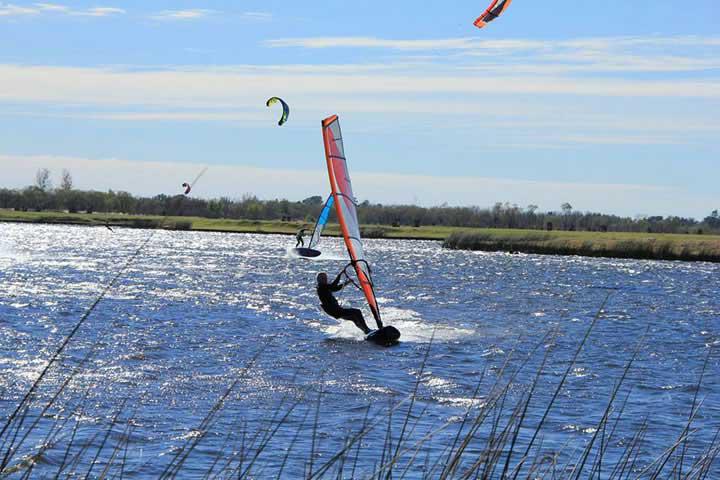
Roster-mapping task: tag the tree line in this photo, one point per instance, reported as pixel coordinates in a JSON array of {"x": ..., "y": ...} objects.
[{"x": 42, "y": 196}]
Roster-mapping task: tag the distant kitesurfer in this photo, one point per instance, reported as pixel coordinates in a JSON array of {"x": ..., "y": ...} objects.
[
  {"x": 299, "y": 238},
  {"x": 330, "y": 304}
]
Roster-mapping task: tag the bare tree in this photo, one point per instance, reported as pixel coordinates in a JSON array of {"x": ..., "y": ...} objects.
[
  {"x": 42, "y": 179},
  {"x": 67, "y": 181},
  {"x": 567, "y": 221}
]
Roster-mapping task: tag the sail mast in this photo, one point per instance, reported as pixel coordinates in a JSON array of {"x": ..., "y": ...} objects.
[{"x": 346, "y": 209}]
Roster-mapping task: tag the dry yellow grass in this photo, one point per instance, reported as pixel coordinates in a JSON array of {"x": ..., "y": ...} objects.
[{"x": 592, "y": 244}]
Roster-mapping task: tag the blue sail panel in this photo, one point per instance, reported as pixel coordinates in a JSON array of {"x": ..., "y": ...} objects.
[{"x": 321, "y": 221}]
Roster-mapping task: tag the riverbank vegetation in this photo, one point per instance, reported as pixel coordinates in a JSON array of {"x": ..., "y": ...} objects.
[
  {"x": 287, "y": 227},
  {"x": 503, "y": 227},
  {"x": 591, "y": 244},
  {"x": 42, "y": 197}
]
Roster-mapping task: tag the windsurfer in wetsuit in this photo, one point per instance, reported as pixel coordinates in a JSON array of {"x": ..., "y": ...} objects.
[
  {"x": 299, "y": 238},
  {"x": 330, "y": 304}
]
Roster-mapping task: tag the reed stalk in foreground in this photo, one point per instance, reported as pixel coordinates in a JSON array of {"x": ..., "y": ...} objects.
[{"x": 496, "y": 438}]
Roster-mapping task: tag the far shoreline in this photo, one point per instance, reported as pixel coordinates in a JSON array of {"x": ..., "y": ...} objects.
[{"x": 621, "y": 245}]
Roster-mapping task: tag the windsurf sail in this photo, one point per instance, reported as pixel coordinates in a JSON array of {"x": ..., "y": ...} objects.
[
  {"x": 321, "y": 222},
  {"x": 346, "y": 209}
]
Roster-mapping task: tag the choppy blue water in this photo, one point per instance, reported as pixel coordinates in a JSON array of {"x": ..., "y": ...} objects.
[{"x": 196, "y": 312}]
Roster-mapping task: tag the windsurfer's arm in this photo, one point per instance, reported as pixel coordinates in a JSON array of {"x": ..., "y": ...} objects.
[{"x": 337, "y": 285}]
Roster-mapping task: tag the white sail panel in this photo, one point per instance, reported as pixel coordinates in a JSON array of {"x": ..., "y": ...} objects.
[{"x": 346, "y": 208}]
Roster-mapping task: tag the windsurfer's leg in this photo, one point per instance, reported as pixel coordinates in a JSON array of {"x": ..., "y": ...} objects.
[{"x": 355, "y": 316}]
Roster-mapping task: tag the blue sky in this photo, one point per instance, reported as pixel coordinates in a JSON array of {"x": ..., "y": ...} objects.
[{"x": 612, "y": 106}]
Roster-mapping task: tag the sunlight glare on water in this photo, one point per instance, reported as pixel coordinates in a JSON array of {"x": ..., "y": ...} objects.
[{"x": 197, "y": 311}]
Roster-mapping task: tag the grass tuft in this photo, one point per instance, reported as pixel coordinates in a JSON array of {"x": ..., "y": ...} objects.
[{"x": 591, "y": 244}]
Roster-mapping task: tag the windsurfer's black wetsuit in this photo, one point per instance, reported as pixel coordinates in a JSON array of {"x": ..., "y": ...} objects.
[
  {"x": 299, "y": 238},
  {"x": 331, "y": 306}
]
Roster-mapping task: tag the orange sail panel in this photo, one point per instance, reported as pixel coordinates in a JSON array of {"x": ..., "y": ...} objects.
[
  {"x": 346, "y": 208},
  {"x": 494, "y": 10}
]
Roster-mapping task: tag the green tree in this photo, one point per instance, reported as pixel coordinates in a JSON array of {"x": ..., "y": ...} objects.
[{"x": 314, "y": 200}]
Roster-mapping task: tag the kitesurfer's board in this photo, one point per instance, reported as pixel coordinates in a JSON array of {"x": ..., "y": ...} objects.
[
  {"x": 306, "y": 252},
  {"x": 386, "y": 336}
]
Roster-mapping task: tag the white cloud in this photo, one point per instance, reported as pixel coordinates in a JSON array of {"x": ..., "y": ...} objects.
[
  {"x": 152, "y": 178},
  {"x": 371, "y": 42},
  {"x": 614, "y": 65},
  {"x": 244, "y": 86},
  {"x": 509, "y": 115},
  {"x": 199, "y": 13},
  {"x": 192, "y": 14},
  {"x": 417, "y": 99},
  {"x": 504, "y": 46},
  {"x": 536, "y": 99},
  {"x": 179, "y": 116},
  {"x": 257, "y": 16},
  {"x": 617, "y": 139},
  {"x": 653, "y": 41},
  {"x": 52, "y": 7},
  {"x": 57, "y": 9},
  {"x": 611, "y": 54},
  {"x": 10, "y": 10},
  {"x": 535, "y": 130},
  {"x": 99, "y": 12}
]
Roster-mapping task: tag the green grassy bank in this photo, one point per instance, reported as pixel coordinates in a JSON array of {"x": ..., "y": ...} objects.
[
  {"x": 592, "y": 244},
  {"x": 217, "y": 224}
]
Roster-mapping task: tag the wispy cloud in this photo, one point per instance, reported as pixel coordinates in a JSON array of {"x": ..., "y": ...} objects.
[
  {"x": 199, "y": 14},
  {"x": 181, "y": 15},
  {"x": 541, "y": 121},
  {"x": 257, "y": 16},
  {"x": 209, "y": 87},
  {"x": 36, "y": 9},
  {"x": 99, "y": 12},
  {"x": 236, "y": 95},
  {"x": 556, "y": 116},
  {"x": 612, "y": 54},
  {"x": 506, "y": 46},
  {"x": 372, "y": 42},
  {"x": 52, "y": 7},
  {"x": 609, "y": 65},
  {"x": 151, "y": 116},
  {"x": 559, "y": 94},
  {"x": 10, "y": 10}
]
